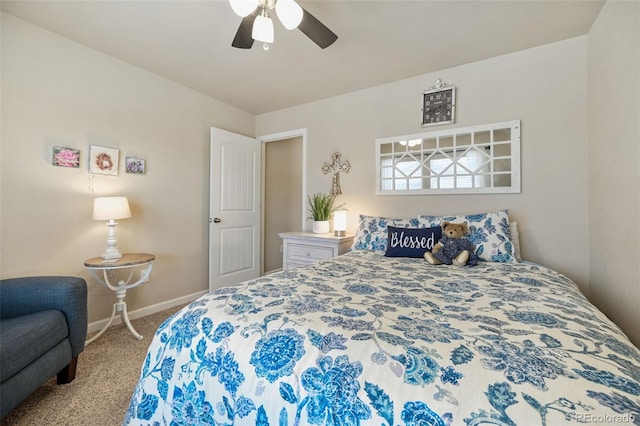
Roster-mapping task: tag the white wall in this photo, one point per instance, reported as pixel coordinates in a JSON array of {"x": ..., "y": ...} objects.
[
  {"x": 614, "y": 166},
  {"x": 58, "y": 92},
  {"x": 545, "y": 87}
]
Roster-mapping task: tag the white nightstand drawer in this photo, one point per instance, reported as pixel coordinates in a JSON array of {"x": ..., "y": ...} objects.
[
  {"x": 310, "y": 252},
  {"x": 302, "y": 248}
]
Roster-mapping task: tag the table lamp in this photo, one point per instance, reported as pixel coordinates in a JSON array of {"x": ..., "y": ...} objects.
[
  {"x": 340, "y": 223},
  {"x": 110, "y": 209}
]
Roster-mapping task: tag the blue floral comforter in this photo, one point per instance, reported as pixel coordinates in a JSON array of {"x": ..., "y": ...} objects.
[{"x": 366, "y": 339}]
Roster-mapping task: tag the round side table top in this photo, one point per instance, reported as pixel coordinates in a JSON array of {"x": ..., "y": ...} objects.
[{"x": 127, "y": 259}]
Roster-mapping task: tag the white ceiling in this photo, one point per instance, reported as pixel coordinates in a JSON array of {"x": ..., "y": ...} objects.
[{"x": 189, "y": 42}]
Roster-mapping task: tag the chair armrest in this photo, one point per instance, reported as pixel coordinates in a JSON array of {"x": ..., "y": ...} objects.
[{"x": 27, "y": 295}]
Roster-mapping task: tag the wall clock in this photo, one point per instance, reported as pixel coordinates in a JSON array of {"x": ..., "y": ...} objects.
[{"x": 439, "y": 104}]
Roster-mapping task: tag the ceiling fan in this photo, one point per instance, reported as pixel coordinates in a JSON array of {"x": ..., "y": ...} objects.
[{"x": 257, "y": 25}]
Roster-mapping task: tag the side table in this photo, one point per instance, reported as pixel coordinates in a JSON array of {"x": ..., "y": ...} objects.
[{"x": 104, "y": 272}]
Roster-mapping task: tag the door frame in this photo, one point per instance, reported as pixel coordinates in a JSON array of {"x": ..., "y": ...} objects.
[{"x": 301, "y": 133}]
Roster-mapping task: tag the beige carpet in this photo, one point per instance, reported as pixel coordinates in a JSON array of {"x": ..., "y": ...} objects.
[{"x": 107, "y": 373}]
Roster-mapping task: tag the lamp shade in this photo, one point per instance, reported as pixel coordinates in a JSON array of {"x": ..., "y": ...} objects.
[
  {"x": 290, "y": 13},
  {"x": 107, "y": 208},
  {"x": 243, "y": 7},
  {"x": 340, "y": 222},
  {"x": 263, "y": 28}
]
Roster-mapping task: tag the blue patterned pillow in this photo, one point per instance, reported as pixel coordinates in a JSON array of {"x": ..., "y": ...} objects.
[
  {"x": 488, "y": 231},
  {"x": 372, "y": 231},
  {"x": 411, "y": 242}
]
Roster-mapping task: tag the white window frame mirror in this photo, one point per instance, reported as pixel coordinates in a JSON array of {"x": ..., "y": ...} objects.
[{"x": 483, "y": 159}]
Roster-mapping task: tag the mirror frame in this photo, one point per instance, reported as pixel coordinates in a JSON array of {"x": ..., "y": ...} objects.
[{"x": 496, "y": 144}]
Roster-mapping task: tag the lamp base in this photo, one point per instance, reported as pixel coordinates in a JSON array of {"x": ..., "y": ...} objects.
[
  {"x": 111, "y": 252},
  {"x": 111, "y": 255},
  {"x": 340, "y": 233}
]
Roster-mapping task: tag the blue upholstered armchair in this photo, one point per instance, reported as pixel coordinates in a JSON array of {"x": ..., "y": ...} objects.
[{"x": 43, "y": 326}]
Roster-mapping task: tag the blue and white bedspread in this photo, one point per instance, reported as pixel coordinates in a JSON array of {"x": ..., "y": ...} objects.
[{"x": 366, "y": 339}]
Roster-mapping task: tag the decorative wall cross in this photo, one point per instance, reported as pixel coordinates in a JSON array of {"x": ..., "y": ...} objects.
[{"x": 335, "y": 167}]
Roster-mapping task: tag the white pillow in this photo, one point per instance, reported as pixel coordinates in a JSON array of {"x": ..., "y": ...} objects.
[{"x": 515, "y": 240}]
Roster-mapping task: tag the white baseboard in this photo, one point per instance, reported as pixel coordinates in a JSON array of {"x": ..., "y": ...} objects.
[{"x": 149, "y": 310}]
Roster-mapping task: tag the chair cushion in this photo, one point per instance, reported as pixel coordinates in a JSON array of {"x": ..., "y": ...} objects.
[{"x": 26, "y": 338}]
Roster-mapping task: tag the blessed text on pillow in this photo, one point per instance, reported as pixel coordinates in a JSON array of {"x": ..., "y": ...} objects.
[{"x": 411, "y": 242}]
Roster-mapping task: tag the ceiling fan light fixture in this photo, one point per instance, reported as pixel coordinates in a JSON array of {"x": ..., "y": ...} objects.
[
  {"x": 289, "y": 12},
  {"x": 243, "y": 7},
  {"x": 263, "y": 28},
  {"x": 258, "y": 26}
]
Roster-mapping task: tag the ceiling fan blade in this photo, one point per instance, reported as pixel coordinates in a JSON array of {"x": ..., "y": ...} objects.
[
  {"x": 316, "y": 30},
  {"x": 243, "y": 38}
]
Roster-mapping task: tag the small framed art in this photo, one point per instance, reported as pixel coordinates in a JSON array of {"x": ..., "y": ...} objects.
[
  {"x": 439, "y": 104},
  {"x": 103, "y": 161},
  {"x": 134, "y": 165},
  {"x": 63, "y": 156}
]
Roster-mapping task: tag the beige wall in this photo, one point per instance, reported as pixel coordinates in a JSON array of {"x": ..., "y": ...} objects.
[
  {"x": 58, "y": 92},
  {"x": 614, "y": 163},
  {"x": 545, "y": 87},
  {"x": 282, "y": 197}
]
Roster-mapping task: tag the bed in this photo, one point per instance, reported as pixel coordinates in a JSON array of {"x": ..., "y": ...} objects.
[{"x": 369, "y": 338}]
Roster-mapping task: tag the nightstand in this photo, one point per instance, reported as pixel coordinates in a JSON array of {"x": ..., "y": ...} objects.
[{"x": 302, "y": 248}]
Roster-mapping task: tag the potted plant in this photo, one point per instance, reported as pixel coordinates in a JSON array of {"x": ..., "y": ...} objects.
[{"x": 321, "y": 207}]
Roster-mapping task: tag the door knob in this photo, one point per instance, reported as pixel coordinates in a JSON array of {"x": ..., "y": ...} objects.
[{"x": 217, "y": 220}]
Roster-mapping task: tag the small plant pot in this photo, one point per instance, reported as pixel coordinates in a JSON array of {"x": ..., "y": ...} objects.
[{"x": 320, "y": 227}]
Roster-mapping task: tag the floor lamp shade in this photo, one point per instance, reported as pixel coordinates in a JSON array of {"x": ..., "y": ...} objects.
[{"x": 110, "y": 209}]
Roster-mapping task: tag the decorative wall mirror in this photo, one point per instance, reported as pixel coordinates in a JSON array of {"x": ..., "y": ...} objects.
[{"x": 469, "y": 160}]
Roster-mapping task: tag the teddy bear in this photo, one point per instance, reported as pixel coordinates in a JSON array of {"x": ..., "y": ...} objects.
[{"x": 453, "y": 248}]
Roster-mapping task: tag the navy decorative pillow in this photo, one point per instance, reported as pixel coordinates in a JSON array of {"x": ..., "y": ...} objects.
[
  {"x": 411, "y": 242},
  {"x": 372, "y": 231}
]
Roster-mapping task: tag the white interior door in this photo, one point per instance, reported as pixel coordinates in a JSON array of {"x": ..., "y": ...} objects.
[{"x": 234, "y": 211}]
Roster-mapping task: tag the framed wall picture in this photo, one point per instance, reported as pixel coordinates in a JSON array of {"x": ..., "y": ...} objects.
[
  {"x": 439, "y": 104},
  {"x": 134, "y": 165},
  {"x": 103, "y": 161},
  {"x": 63, "y": 156}
]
